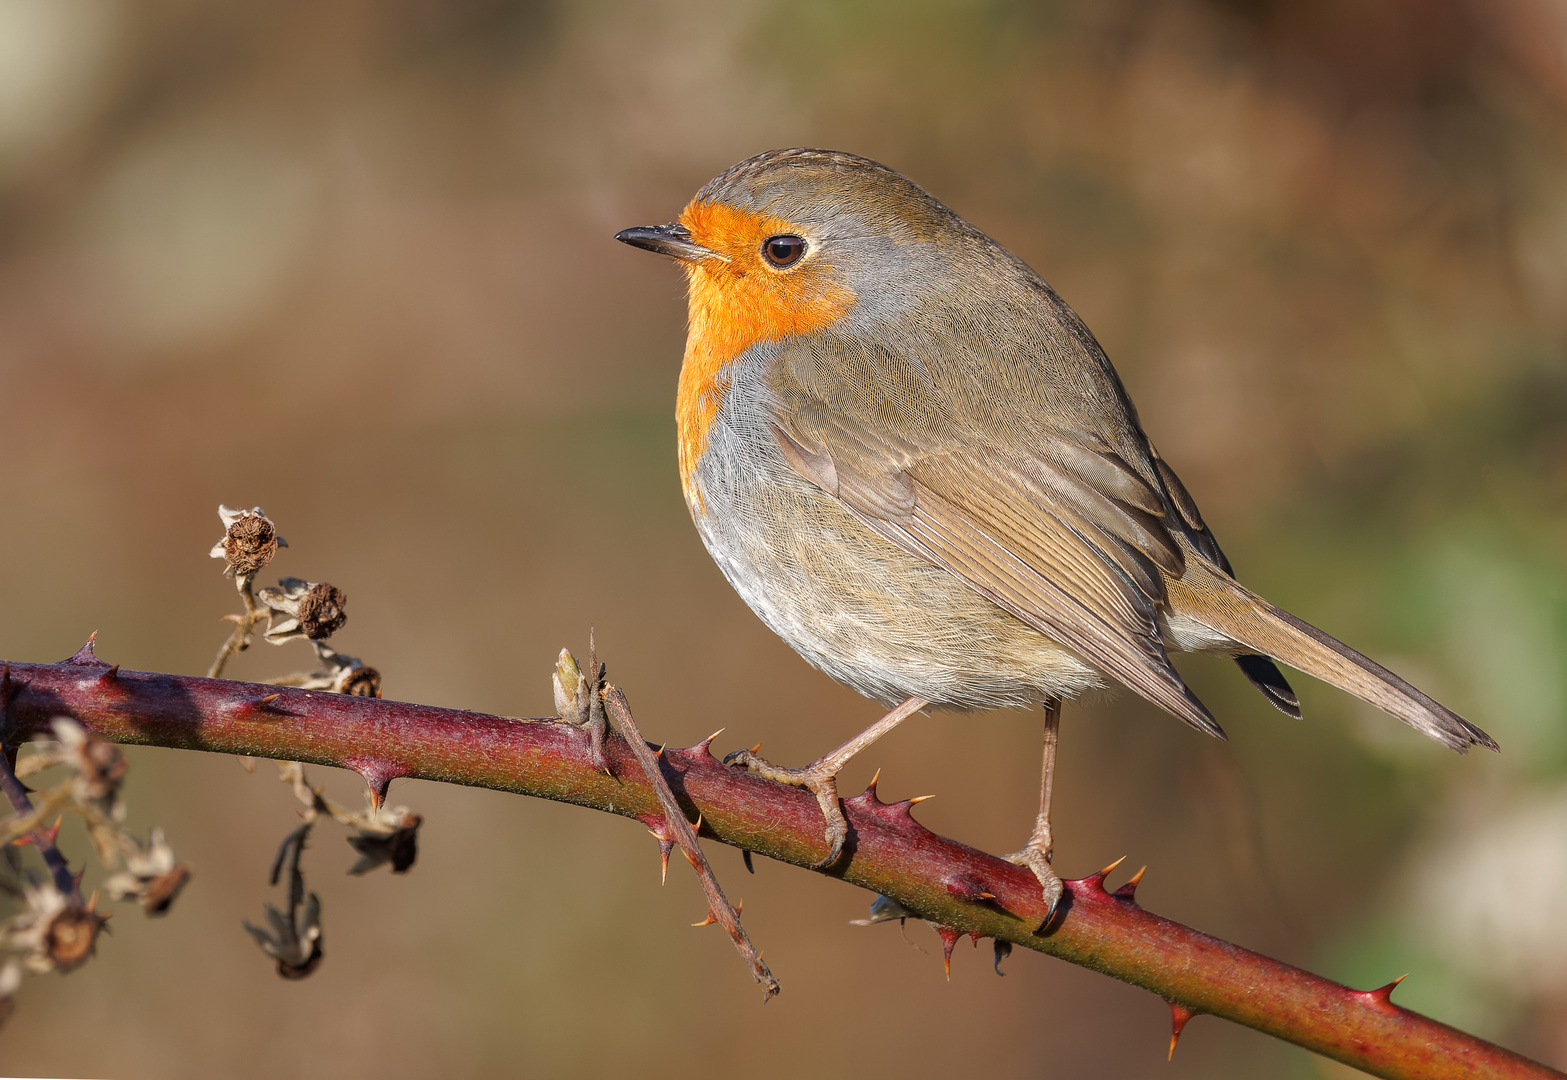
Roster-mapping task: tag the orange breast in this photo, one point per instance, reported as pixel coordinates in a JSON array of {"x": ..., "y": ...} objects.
[{"x": 735, "y": 304}]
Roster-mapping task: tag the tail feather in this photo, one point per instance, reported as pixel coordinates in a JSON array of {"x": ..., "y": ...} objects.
[
  {"x": 1270, "y": 682},
  {"x": 1218, "y": 601}
]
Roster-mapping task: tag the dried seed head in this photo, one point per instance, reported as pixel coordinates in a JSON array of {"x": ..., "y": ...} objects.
[
  {"x": 150, "y": 874},
  {"x": 400, "y": 847},
  {"x": 321, "y": 611},
  {"x": 73, "y": 935},
  {"x": 249, "y": 540},
  {"x": 360, "y": 681},
  {"x": 303, "y": 609}
]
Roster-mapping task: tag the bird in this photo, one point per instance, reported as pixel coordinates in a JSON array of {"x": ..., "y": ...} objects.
[{"x": 917, "y": 466}]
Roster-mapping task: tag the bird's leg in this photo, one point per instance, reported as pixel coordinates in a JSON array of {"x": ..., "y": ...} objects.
[
  {"x": 820, "y": 777},
  {"x": 1036, "y": 853}
]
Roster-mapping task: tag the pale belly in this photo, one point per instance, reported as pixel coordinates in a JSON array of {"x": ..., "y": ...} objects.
[{"x": 862, "y": 610}]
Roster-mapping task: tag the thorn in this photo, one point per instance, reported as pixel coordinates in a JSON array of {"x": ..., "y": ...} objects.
[
  {"x": 1179, "y": 1016},
  {"x": 110, "y": 675},
  {"x": 1382, "y": 995},
  {"x": 1003, "y": 950},
  {"x": 697, "y": 827},
  {"x": 871, "y": 787},
  {"x": 1129, "y": 890},
  {"x": 745, "y": 854},
  {"x": 1097, "y": 880},
  {"x": 690, "y": 858},
  {"x": 975, "y": 935},
  {"x": 968, "y": 888},
  {"x": 85, "y": 654},
  {"x": 740, "y": 908},
  {"x": 949, "y": 938},
  {"x": 709, "y": 921},
  {"x": 659, "y": 752},
  {"x": 665, "y": 846},
  {"x": 706, "y": 745}
]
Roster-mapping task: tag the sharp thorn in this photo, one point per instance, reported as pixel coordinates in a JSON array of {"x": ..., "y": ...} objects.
[
  {"x": 1382, "y": 995},
  {"x": 1128, "y": 891},
  {"x": 918, "y": 799},
  {"x": 110, "y": 675},
  {"x": 949, "y": 938},
  {"x": 1106, "y": 871},
  {"x": 1179, "y": 1016},
  {"x": 709, "y": 921},
  {"x": 745, "y": 855},
  {"x": 757, "y": 749}
]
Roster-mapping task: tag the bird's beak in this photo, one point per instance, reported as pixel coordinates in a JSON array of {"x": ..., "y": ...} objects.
[{"x": 671, "y": 240}]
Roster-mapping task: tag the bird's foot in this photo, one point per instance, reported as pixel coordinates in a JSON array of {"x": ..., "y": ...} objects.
[
  {"x": 820, "y": 778},
  {"x": 1036, "y": 856}
]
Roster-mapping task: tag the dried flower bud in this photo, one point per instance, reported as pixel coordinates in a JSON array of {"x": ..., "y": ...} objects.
[
  {"x": 55, "y": 932},
  {"x": 309, "y": 610},
  {"x": 883, "y": 909},
  {"x": 73, "y": 935},
  {"x": 321, "y": 611},
  {"x": 400, "y": 847},
  {"x": 10, "y": 982},
  {"x": 294, "y": 944},
  {"x": 249, "y": 540},
  {"x": 150, "y": 875},
  {"x": 99, "y": 764},
  {"x": 361, "y": 681}
]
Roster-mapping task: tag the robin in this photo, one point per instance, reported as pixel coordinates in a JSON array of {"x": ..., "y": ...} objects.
[{"x": 917, "y": 466}]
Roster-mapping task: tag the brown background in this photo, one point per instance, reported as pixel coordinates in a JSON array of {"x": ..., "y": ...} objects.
[{"x": 352, "y": 262}]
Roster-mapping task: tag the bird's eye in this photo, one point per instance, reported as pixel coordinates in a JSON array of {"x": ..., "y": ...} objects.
[{"x": 782, "y": 251}]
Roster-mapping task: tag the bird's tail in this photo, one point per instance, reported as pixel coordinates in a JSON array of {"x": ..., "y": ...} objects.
[{"x": 1216, "y": 600}]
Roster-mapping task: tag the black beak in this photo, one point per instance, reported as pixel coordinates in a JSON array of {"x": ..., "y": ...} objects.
[{"x": 671, "y": 240}]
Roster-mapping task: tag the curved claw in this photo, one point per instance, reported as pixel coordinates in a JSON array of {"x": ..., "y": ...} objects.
[
  {"x": 1038, "y": 860},
  {"x": 826, "y": 793}
]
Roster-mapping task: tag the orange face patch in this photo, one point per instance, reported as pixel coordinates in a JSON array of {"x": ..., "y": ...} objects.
[{"x": 735, "y": 304}]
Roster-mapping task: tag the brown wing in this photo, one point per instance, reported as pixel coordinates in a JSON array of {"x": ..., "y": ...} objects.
[{"x": 1078, "y": 559}]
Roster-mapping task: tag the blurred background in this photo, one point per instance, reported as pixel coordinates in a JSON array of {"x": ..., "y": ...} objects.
[{"x": 352, "y": 262}]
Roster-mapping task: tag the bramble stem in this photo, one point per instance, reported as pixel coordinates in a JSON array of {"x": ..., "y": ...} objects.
[
  {"x": 243, "y": 625},
  {"x": 719, "y": 909},
  {"x": 888, "y": 852}
]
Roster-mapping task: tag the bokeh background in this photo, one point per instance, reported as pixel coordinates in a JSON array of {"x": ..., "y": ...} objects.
[{"x": 351, "y": 261}]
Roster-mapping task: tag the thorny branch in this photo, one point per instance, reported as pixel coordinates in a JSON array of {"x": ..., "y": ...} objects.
[
  {"x": 960, "y": 890},
  {"x": 719, "y": 909}
]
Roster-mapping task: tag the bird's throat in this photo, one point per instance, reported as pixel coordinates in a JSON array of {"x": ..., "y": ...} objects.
[{"x": 734, "y": 303}]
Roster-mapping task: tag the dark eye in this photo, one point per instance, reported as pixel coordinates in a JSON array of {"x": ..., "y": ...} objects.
[{"x": 782, "y": 251}]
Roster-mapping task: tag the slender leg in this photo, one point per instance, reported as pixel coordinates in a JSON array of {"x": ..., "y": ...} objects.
[
  {"x": 820, "y": 777},
  {"x": 1036, "y": 853}
]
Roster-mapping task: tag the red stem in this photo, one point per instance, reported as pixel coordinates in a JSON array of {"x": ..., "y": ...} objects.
[{"x": 888, "y": 851}]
